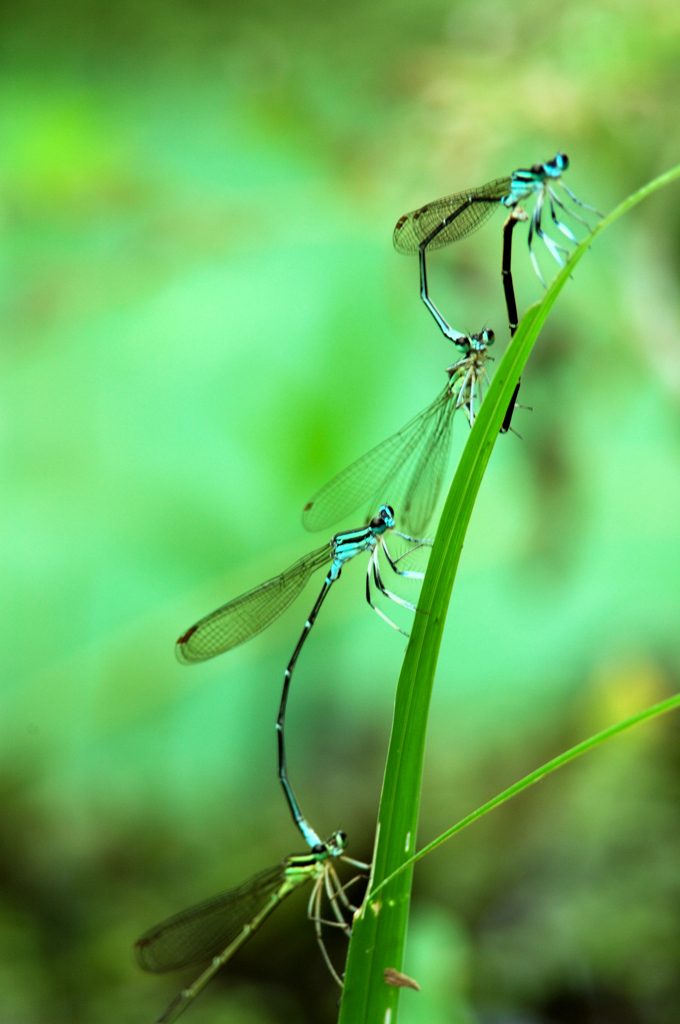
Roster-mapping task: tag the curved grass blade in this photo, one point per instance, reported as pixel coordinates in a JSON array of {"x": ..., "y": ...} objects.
[
  {"x": 670, "y": 704},
  {"x": 379, "y": 931}
]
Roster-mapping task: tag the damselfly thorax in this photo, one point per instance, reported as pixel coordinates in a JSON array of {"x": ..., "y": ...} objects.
[{"x": 468, "y": 376}]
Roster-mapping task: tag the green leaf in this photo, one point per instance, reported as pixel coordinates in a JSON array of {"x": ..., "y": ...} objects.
[{"x": 379, "y": 930}]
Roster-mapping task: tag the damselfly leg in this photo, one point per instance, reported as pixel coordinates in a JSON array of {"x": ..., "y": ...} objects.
[
  {"x": 335, "y": 894},
  {"x": 557, "y": 251}
]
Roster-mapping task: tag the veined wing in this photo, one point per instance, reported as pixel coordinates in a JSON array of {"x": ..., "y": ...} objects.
[
  {"x": 204, "y": 930},
  {"x": 249, "y": 614},
  {"x": 425, "y": 482},
  {"x": 387, "y": 473},
  {"x": 462, "y": 213}
]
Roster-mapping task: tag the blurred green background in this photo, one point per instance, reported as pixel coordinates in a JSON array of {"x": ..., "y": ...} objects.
[{"x": 204, "y": 319}]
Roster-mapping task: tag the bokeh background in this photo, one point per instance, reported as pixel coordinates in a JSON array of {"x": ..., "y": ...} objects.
[{"x": 203, "y": 319}]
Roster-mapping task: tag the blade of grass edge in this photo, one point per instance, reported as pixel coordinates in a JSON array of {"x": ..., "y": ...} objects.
[{"x": 379, "y": 930}]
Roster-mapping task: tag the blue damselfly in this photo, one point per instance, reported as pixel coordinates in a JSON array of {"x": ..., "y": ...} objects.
[
  {"x": 217, "y": 928},
  {"x": 456, "y": 216},
  {"x": 246, "y": 616}
]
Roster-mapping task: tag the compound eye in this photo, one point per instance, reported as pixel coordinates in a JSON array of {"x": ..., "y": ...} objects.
[
  {"x": 489, "y": 336},
  {"x": 335, "y": 845}
]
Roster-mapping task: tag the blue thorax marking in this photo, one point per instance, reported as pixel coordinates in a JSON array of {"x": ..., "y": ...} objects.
[{"x": 346, "y": 545}]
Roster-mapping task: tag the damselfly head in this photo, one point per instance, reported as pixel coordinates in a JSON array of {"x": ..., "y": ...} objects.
[
  {"x": 337, "y": 843},
  {"x": 555, "y": 167},
  {"x": 484, "y": 338},
  {"x": 385, "y": 517},
  {"x": 462, "y": 341},
  {"x": 477, "y": 343}
]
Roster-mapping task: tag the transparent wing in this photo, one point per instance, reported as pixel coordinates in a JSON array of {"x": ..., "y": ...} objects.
[
  {"x": 204, "y": 930},
  {"x": 389, "y": 473},
  {"x": 249, "y": 614},
  {"x": 462, "y": 213},
  {"x": 426, "y": 480}
]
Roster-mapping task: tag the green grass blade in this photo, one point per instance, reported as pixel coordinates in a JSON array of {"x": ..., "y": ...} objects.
[
  {"x": 379, "y": 931},
  {"x": 533, "y": 777}
]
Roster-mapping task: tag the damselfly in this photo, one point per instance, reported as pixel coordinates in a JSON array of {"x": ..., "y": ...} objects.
[
  {"x": 216, "y": 928},
  {"x": 456, "y": 216},
  {"x": 408, "y": 468},
  {"x": 246, "y": 616}
]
